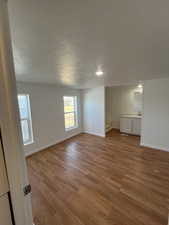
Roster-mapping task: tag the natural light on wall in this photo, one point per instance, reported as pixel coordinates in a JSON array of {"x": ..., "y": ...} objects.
[
  {"x": 138, "y": 99},
  {"x": 70, "y": 112},
  {"x": 25, "y": 117}
]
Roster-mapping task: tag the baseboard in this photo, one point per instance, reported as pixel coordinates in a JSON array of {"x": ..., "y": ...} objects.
[
  {"x": 109, "y": 129},
  {"x": 113, "y": 128},
  {"x": 154, "y": 147},
  {"x": 93, "y": 133},
  {"x": 49, "y": 145}
]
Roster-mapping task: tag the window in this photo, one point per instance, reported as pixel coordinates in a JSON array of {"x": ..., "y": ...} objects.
[
  {"x": 25, "y": 117},
  {"x": 70, "y": 112}
]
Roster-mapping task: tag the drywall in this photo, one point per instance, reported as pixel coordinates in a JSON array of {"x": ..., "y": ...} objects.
[
  {"x": 94, "y": 111},
  {"x": 48, "y": 114},
  {"x": 155, "y": 122},
  {"x": 121, "y": 100}
]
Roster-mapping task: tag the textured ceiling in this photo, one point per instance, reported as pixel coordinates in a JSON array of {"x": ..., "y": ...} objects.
[{"x": 64, "y": 42}]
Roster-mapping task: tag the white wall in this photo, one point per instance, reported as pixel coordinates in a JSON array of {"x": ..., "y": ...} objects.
[
  {"x": 94, "y": 111},
  {"x": 121, "y": 100},
  {"x": 155, "y": 122},
  {"x": 48, "y": 114}
]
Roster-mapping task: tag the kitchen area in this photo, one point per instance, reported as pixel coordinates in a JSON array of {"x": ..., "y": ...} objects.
[{"x": 124, "y": 106}]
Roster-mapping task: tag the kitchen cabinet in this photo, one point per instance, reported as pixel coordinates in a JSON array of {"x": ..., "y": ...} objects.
[
  {"x": 130, "y": 125},
  {"x": 136, "y": 126}
]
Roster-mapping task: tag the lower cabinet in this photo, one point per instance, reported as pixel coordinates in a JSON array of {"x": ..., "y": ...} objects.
[{"x": 130, "y": 125}]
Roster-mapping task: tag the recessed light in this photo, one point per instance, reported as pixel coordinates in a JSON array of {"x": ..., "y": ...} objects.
[
  {"x": 99, "y": 73},
  {"x": 140, "y": 86}
]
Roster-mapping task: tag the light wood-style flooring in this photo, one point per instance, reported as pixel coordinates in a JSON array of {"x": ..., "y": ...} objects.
[{"x": 89, "y": 180}]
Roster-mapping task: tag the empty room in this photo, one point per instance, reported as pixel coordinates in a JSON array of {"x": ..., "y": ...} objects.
[{"x": 84, "y": 112}]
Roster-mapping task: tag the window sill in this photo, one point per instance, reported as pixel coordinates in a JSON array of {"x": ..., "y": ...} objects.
[
  {"x": 72, "y": 128},
  {"x": 28, "y": 143}
]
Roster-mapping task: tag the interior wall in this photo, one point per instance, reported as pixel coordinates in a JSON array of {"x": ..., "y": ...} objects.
[
  {"x": 155, "y": 121},
  {"x": 121, "y": 100},
  {"x": 48, "y": 114},
  {"x": 94, "y": 111}
]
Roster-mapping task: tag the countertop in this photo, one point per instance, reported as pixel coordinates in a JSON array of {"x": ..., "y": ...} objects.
[{"x": 131, "y": 116}]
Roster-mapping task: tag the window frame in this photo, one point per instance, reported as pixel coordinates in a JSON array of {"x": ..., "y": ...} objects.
[
  {"x": 75, "y": 112},
  {"x": 29, "y": 120}
]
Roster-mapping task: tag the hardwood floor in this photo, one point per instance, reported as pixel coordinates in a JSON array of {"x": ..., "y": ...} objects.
[{"x": 90, "y": 180}]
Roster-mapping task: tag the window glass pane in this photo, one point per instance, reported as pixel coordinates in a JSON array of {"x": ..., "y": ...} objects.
[
  {"x": 25, "y": 116},
  {"x": 69, "y": 120},
  {"x": 25, "y": 131},
  {"x": 70, "y": 111},
  {"x": 68, "y": 104},
  {"x": 23, "y": 106}
]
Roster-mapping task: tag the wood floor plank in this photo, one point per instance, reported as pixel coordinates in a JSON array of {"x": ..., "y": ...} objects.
[{"x": 90, "y": 180}]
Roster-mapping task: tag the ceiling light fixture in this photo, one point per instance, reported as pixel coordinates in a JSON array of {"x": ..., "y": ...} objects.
[
  {"x": 99, "y": 73},
  {"x": 140, "y": 86}
]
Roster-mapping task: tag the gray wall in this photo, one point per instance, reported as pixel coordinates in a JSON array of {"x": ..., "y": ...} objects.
[
  {"x": 94, "y": 111},
  {"x": 48, "y": 114},
  {"x": 155, "y": 122}
]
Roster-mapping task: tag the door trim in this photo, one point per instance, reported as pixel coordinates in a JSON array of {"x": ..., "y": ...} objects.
[{"x": 10, "y": 126}]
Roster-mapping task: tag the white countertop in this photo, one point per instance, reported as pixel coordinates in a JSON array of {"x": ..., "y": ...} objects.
[{"x": 131, "y": 116}]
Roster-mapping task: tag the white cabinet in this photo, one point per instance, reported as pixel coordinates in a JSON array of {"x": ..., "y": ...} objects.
[
  {"x": 5, "y": 213},
  {"x": 130, "y": 125},
  {"x": 125, "y": 125},
  {"x": 136, "y": 126}
]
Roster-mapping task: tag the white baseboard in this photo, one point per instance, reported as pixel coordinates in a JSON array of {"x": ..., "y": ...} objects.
[
  {"x": 110, "y": 128},
  {"x": 115, "y": 128},
  {"x": 28, "y": 153},
  {"x": 154, "y": 147},
  {"x": 93, "y": 133}
]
